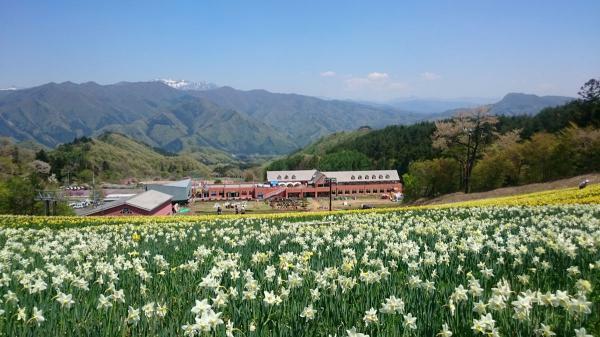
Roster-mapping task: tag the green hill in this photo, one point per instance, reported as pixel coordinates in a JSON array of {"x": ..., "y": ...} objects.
[
  {"x": 329, "y": 142},
  {"x": 114, "y": 156},
  {"x": 392, "y": 147}
]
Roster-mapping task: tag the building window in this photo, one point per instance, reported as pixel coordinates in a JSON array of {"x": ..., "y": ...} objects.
[
  {"x": 373, "y": 177},
  {"x": 286, "y": 177},
  {"x": 279, "y": 177},
  {"x": 387, "y": 176},
  {"x": 294, "y": 177},
  {"x": 359, "y": 177},
  {"x": 381, "y": 176},
  {"x": 126, "y": 210},
  {"x": 366, "y": 177},
  {"x": 352, "y": 178}
]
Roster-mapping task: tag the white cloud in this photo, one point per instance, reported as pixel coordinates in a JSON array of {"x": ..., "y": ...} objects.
[
  {"x": 375, "y": 76},
  {"x": 429, "y": 76},
  {"x": 375, "y": 84},
  {"x": 328, "y": 73}
]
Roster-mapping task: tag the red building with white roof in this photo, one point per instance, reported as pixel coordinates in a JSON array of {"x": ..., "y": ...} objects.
[{"x": 306, "y": 183}]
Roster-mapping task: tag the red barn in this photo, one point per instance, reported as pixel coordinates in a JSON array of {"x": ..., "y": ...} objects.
[{"x": 147, "y": 203}]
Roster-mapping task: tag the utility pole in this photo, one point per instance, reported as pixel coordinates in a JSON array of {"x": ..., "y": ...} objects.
[
  {"x": 94, "y": 184},
  {"x": 330, "y": 181}
]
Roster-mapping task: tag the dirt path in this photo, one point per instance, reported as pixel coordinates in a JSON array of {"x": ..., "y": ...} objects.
[
  {"x": 507, "y": 191},
  {"x": 314, "y": 205}
]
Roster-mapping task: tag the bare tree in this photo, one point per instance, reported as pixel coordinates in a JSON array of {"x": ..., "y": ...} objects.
[
  {"x": 590, "y": 91},
  {"x": 463, "y": 138}
]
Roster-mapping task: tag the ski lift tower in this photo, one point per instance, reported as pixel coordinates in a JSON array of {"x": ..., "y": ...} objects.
[{"x": 49, "y": 198}]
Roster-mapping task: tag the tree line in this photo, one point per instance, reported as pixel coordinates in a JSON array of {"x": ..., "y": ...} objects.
[
  {"x": 474, "y": 151},
  {"x": 22, "y": 178}
]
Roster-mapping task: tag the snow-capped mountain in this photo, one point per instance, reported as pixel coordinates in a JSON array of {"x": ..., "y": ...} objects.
[
  {"x": 186, "y": 85},
  {"x": 10, "y": 88}
]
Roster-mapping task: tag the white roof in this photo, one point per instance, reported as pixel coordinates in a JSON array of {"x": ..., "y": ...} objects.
[
  {"x": 180, "y": 183},
  {"x": 295, "y": 175},
  {"x": 119, "y": 195},
  {"x": 149, "y": 200},
  {"x": 360, "y": 176}
]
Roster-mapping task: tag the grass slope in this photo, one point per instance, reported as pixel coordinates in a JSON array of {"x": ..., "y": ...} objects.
[
  {"x": 594, "y": 178},
  {"x": 129, "y": 158}
]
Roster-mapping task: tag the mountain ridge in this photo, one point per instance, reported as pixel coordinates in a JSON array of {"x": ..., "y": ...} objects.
[
  {"x": 153, "y": 112},
  {"x": 305, "y": 118},
  {"x": 239, "y": 122}
]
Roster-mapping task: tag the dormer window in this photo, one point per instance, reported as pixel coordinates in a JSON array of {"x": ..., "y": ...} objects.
[
  {"x": 286, "y": 177},
  {"x": 294, "y": 177},
  {"x": 366, "y": 177},
  {"x": 359, "y": 177},
  {"x": 279, "y": 177},
  {"x": 373, "y": 177},
  {"x": 352, "y": 178},
  {"x": 387, "y": 176},
  {"x": 381, "y": 176}
]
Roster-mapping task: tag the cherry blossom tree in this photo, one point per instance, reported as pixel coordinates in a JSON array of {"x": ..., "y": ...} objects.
[{"x": 463, "y": 138}]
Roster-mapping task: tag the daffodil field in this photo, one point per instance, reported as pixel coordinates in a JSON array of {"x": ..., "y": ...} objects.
[{"x": 487, "y": 271}]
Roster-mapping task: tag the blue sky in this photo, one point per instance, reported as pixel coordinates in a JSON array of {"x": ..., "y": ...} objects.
[{"x": 375, "y": 50}]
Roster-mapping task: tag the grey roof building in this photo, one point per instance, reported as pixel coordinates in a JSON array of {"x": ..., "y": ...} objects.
[
  {"x": 311, "y": 176},
  {"x": 180, "y": 190}
]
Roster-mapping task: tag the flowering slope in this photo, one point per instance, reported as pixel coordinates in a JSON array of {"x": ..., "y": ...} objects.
[{"x": 495, "y": 271}]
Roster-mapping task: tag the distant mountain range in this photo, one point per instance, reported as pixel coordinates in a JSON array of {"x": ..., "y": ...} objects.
[
  {"x": 305, "y": 118},
  {"x": 235, "y": 121},
  {"x": 514, "y": 104},
  {"x": 151, "y": 112},
  {"x": 181, "y": 116}
]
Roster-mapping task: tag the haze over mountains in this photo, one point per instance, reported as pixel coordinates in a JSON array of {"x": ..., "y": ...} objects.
[
  {"x": 437, "y": 105},
  {"x": 185, "y": 116}
]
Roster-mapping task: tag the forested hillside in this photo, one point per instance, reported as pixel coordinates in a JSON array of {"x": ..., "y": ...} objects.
[
  {"x": 114, "y": 156},
  {"x": 26, "y": 169},
  {"x": 558, "y": 142}
]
